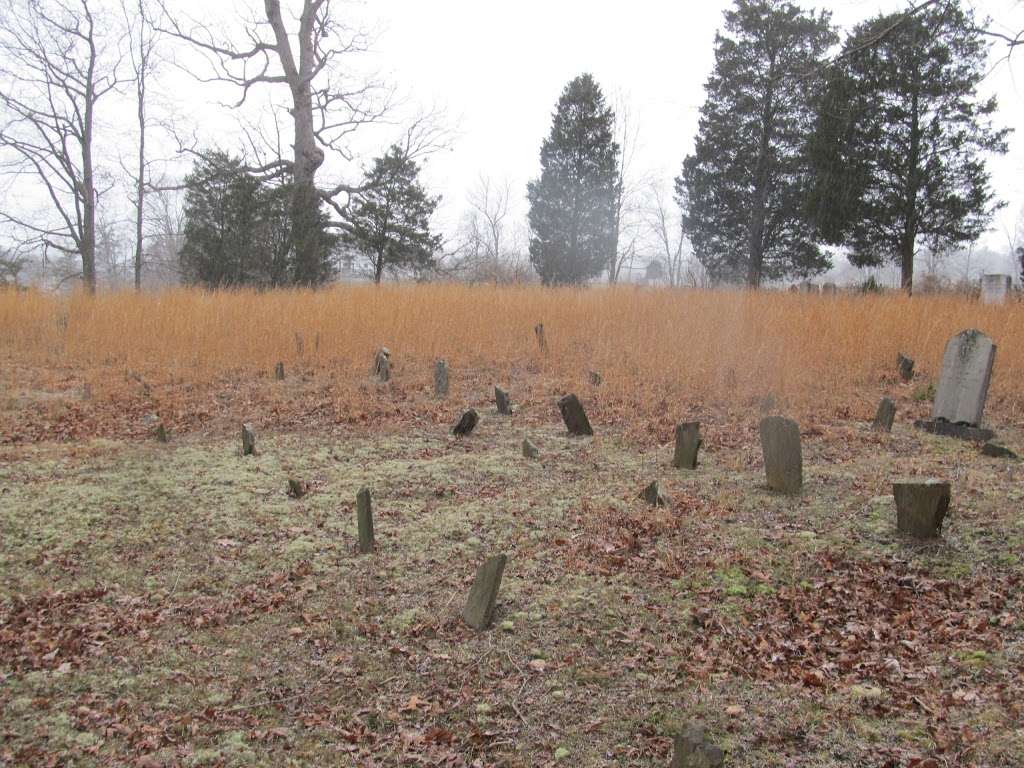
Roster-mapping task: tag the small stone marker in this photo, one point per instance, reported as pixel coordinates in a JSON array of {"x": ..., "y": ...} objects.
[
  {"x": 466, "y": 424},
  {"x": 966, "y": 372},
  {"x": 501, "y": 401},
  {"x": 279, "y": 371},
  {"x": 297, "y": 488},
  {"x": 441, "y": 378},
  {"x": 574, "y": 416},
  {"x": 248, "y": 440},
  {"x": 160, "y": 433},
  {"x": 921, "y": 507},
  {"x": 905, "y": 365},
  {"x": 479, "y": 608},
  {"x": 595, "y": 378},
  {"x": 688, "y": 443},
  {"x": 691, "y": 749},
  {"x": 995, "y": 288},
  {"x": 364, "y": 519},
  {"x": 530, "y": 451},
  {"x": 652, "y": 495},
  {"x": 885, "y": 415},
  {"x": 382, "y": 364},
  {"x": 538, "y": 330},
  {"x": 996, "y": 451},
  {"x": 783, "y": 460}
]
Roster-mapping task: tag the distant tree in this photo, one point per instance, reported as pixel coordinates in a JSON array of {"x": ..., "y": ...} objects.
[
  {"x": 573, "y": 203},
  {"x": 901, "y": 136},
  {"x": 389, "y": 222},
  {"x": 743, "y": 187},
  {"x": 1020, "y": 260}
]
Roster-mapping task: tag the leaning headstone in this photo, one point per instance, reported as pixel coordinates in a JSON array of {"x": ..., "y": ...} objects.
[
  {"x": 248, "y": 440},
  {"x": 595, "y": 378},
  {"x": 574, "y": 416},
  {"x": 542, "y": 342},
  {"x": 783, "y": 460},
  {"x": 441, "y": 378},
  {"x": 382, "y": 364},
  {"x": 466, "y": 424},
  {"x": 279, "y": 371},
  {"x": 501, "y": 401},
  {"x": 688, "y": 443},
  {"x": 921, "y": 507},
  {"x": 530, "y": 451},
  {"x": 652, "y": 495},
  {"x": 691, "y": 749},
  {"x": 885, "y": 415},
  {"x": 479, "y": 608},
  {"x": 364, "y": 520},
  {"x": 995, "y": 288},
  {"x": 966, "y": 372},
  {"x": 996, "y": 451},
  {"x": 297, "y": 488},
  {"x": 906, "y": 366}
]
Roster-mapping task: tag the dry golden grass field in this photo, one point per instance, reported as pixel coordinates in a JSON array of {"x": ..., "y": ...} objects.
[{"x": 168, "y": 604}]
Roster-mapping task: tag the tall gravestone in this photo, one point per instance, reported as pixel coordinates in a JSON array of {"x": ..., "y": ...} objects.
[
  {"x": 995, "y": 288},
  {"x": 441, "y": 378},
  {"x": 248, "y": 440},
  {"x": 483, "y": 595},
  {"x": 382, "y": 364},
  {"x": 364, "y": 520},
  {"x": 906, "y": 366},
  {"x": 783, "y": 460},
  {"x": 279, "y": 371},
  {"x": 502, "y": 402},
  {"x": 574, "y": 416},
  {"x": 963, "y": 384},
  {"x": 542, "y": 341},
  {"x": 885, "y": 416},
  {"x": 688, "y": 443}
]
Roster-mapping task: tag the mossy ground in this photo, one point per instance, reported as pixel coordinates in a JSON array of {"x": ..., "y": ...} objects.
[{"x": 171, "y": 605}]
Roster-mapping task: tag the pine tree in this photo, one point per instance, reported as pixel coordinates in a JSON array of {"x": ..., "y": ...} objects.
[
  {"x": 742, "y": 190},
  {"x": 901, "y": 136},
  {"x": 389, "y": 223},
  {"x": 572, "y": 204}
]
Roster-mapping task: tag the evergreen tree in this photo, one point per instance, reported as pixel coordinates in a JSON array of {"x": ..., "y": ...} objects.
[
  {"x": 572, "y": 204},
  {"x": 742, "y": 190},
  {"x": 389, "y": 223},
  {"x": 900, "y": 140}
]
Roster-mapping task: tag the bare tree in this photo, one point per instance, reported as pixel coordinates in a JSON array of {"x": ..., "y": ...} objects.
[
  {"x": 56, "y": 63},
  {"x": 626, "y": 224},
  {"x": 490, "y": 248},
  {"x": 665, "y": 228}
]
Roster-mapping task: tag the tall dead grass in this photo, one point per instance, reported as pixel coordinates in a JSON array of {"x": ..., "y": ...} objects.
[{"x": 720, "y": 347}]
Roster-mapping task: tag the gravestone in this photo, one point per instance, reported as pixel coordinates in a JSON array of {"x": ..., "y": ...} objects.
[
  {"x": 995, "y": 288},
  {"x": 966, "y": 372},
  {"x": 595, "y": 378},
  {"x": 830, "y": 289},
  {"x": 479, "y": 608},
  {"x": 441, "y": 378},
  {"x": 688, "y": 443},
  {"x": 501, "y": 401},
  {"x": 364, "y": 520},
  {"x": 652, "y": 495},
  {"x": 248, "y": 440},
  {"x": 921, "y": 507},
  {"x": 160, "y": 433},
  {"x": 574, "y": 416},
  {"x": 906, "y": 366},
  {"x": 996, "y": 451},
  {"x": 691, "y": 749},
  {"x": 382, "y": 364},
  {"x": 297, "y": 488},
  {"x": 279, "y": 371},
  {"x": 783, "y": 460},
  {"x": 885, "y": 415},
  {"x": 466, "y": 424},
  {"x": 530, "y": 451},
  {"x": 542, "y": 342},
  {"x": 961, "y": 431}
]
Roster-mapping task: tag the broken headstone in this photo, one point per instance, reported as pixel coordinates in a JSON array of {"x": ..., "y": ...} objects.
[
  {"x": 574, "y": 416},
  {"x": 466, "y": 424},
  {"x": 783, "y": 460},
  {"x": 652, "y": 495},
  {"x": 501, "y": 401},
  {"x": 530, "y": 451},
  {"x": 279, "y": 371},
  {"x": 961, "y": 431},
  {"x": 905, "y": 365},
  {"x": 382, "y": 364},
  {"x": 297, "y": 488},
  {"x": 248, "y": 440},
  {"x": 921, "y": 507},
  {"x": 966, "y": 372},
  {"x": 479, "y": 608},
  {"x": 364, "y": 520},
  {"x": 691, "y": 749},
  {"x": 688, "y": 443},
  {"x": 885, "y": 415},
  {"x": 441, "y": 378},
  {"x": 996, "y": 451}
]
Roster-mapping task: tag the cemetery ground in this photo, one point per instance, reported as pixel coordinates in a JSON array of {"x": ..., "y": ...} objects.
[{"x": 166, "y": 604}]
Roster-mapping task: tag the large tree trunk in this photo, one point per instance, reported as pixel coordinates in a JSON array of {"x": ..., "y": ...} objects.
[
  {"x": 908, "y": 238},
  {"x": 759, "y": 204}
]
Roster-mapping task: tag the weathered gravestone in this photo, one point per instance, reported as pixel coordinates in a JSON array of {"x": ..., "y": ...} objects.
[
  {"x": 297, "y": 488},
  {"x": 921, "y": 507},
  {"x": 382, "y": 364},
  {"x": 279, "y": 371},
  {"x": 652, "y": 495},
  {"x": 995, "y": 288},
  {"x": 906, "y": 366},
  {"x": 783, "y": 460},
  {"x": 885, "y": 415},
  {"x": 530, "y": 451},
  {"x": 502, "y": 402},
  {"x": 160, "y": 433},
  {"x": 248, "y": 440},
  {"x": 691, "y": 749},
  {"x": 595, "y": 378},
  {"x": 441, "y": 378},
  {"x": 831, "y": 289},
  {"x": 466, "y": 424},
  {"x": 688, "y": 443},
  {"x": 364, "y": 520},
  {"x": 479, "y": 608},
  {"x": 574, "y": 416},
  {"x": 542, "y": 342},
  {"x": 963, "y": 387}
]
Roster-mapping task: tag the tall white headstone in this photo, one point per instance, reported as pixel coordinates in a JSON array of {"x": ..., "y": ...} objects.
[
  {"x": 995, "y": 288},
  {"x": 966, "y": 372}
]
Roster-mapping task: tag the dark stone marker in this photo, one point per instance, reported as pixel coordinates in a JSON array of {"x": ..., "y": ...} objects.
[
  {"x": 783, "y": 460},
  {"x": 652, "y": 495},
  {"x": 996, "y": 451},
  {"x": 441, "y": 378},
  {"x": 382, "y": 364},
  {"x": 297, "y": 488},
  {"x": 595, "y": 378},
  {"x": 574, "y": 416},
  {"x": 949, "y": 429},
  {"x": 906, "y": 366},
  {"x": 538, "y": 330},
  {"x": 921, "y": 507},
  {"x": 691, "y": 749},
  {"x": 248, "y": 440},
  {"x": 479, "y": 608},
  {"x": 466, "y": 424},
  {"x": 279, "y": 371},
  {"x": 885, "y": 415},
  {"x": 688, "y": 443},
  {"x": 501, "y": 401},
  {"x": 364, "y": 519},
  {"x": 530, "y": 451},
  {"x": 160, "y": 433}
]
